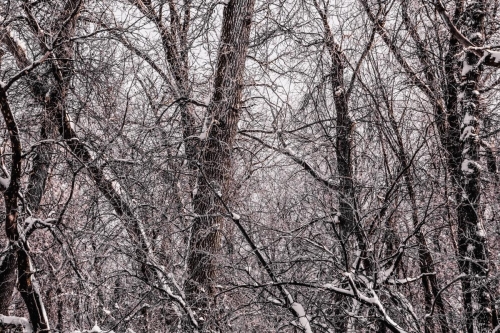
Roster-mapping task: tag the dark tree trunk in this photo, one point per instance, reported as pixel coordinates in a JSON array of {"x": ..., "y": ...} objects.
[
  {"x": 472, "y": 247},
  {"x": 27, "y": 285},
  {"x": 43, "y": 152},
  {"x": 215, "y": 161}
]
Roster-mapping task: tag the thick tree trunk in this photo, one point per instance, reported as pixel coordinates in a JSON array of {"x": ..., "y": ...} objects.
[
  {"x": 472, "y": 246},
  {"x": 461, "y": 142},
  {"x": 43, "y": 152},
  {"x": 27, "y": 285},
  {"x": 215, "y": 161}
]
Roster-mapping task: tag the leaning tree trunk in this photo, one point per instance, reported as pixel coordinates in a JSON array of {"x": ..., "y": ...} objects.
[
  {"x": 27, "y": 285},
  {"x": 215, "y": 161},
  {"x": 33, "y": 197},
  {"x": 50, "y": 102},
  {"x": 38, "y": 175}
]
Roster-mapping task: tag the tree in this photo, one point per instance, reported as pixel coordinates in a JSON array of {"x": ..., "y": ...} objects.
[
  {"x": 203, "y": 166},
  {"x": 213, "y": 181}
]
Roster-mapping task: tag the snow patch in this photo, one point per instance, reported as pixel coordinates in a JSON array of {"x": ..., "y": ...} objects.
[
  {"x": 301, "y": 313},
  {"x": 466, "y": 166},
  {"x": 195, "y": 189},
  {"x": 467, "y": 132},
  {"x": 495, "y": 55},
  {"x": 4, "y": 182},
  {"x": 204, "y": 130},
  {"x": 96, "y": 329},
  {"x": 17, "y": 321},
  {"x": 480, "y": 230},
  {"x": 467, "y": 68},
  {"x": 274, "y": 301},
  {"x": 70, "y": 122},
  {"x": 475, "y": 35},
  {"x": 382, "y": 276},
  {"x": 468, "y": 119},
  {"x": 488, "y": 213}
]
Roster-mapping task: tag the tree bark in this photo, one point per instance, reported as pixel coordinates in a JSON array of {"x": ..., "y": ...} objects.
[
  {"x": 215, "y": 161},
  {"x": 27, "y": 285},
  {"x": 43, "y": 152},
  {"x": 472, "y": 246}
]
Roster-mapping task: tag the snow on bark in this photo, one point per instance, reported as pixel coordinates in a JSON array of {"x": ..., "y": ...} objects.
[
  {"x": 4, "y": 182},
  {"x": 495, "y": 56},
  {"x": 301, "y": 314}
]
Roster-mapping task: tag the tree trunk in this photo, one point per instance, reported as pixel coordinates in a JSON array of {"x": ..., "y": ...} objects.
[
  {"x": 215, "y": 161},
  {"x": 27, "y": 285},
  {"x": 472, "y": 247},
  {"x": 344, "y": 142},
  {"x": 43, "y": 152}
]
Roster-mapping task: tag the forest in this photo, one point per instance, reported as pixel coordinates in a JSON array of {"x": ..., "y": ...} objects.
[{"x": 249, "y": 166}]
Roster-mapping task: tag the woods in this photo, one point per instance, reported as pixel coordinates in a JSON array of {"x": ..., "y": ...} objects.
[{"x": 249, "y": 166}]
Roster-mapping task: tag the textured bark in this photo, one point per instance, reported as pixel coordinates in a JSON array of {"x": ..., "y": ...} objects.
[
  {"x": 215, "y": 162},
  {"x": 472, "y": 246},
  {"x": 27, "y": 285},
  {"x": 40, "y": 171},
  {"x": 51, "y": 102},
  {"x": 450, "y": 135}
]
